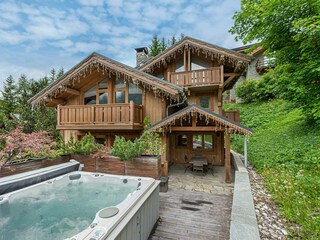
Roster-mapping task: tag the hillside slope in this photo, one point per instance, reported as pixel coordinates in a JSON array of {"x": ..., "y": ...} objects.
[{"x": 286, "y": 151}]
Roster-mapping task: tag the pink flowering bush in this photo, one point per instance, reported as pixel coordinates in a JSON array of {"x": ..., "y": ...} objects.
[{"x": 20, "y": 146}]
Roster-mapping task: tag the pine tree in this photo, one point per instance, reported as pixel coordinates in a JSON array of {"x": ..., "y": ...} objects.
[
  {"x": 8, "y": 103},
  {"x": 163, "y": 45},
  {"x": 154, "y": 48}
]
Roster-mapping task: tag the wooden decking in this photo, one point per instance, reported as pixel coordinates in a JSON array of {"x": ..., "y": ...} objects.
[{"x": 186, "y": 214}]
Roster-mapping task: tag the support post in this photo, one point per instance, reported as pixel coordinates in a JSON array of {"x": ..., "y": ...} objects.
[
  {"x": 245, "y": 151},
  {"x": 227, "y": 162},
  {"x": 131, "y": 112}
]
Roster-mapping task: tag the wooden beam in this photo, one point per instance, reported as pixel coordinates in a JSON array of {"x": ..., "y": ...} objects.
[
  {"x": 195, "y": 129},
  {"x": 72, "y": 91},
  {"x": 230, "y": 78},
  {"x": 228, "y": 161},
  {"x": 56, "y": 101}
]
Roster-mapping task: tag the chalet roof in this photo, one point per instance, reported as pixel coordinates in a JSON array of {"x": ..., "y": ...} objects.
[
  {"x": 229, "y": 124},
  {"x": 197, "y": 46},
  {"x": 106, "y": 65},
  {"x": 256, "y": 51}
]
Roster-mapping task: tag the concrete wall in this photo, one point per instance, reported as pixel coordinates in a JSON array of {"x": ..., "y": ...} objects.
[{"x": 243, "y": 225}]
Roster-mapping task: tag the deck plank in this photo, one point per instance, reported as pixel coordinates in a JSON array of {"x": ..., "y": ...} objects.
[{"x": 186, "y": 214}]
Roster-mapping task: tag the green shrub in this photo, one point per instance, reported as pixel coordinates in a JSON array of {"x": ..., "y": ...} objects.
[
  {"x": 149, "y": 143},
  {"x": 246, "y": 90},
  {"x": 126, "y": 150},
  {"x": 151, "y": 140},
  {"x": 86, "y": 145}
]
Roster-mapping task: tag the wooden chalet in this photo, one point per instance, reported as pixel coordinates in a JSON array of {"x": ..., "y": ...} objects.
[{"x": 180, "y": 90}]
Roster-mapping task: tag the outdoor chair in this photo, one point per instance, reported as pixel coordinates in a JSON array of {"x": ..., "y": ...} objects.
[
  {"x": 198, "y": 167},
  {"x": 187, "y": 163}
]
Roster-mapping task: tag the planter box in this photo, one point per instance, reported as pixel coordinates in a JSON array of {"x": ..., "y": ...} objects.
[
  {"x": 88, "y": 162},
  {"x": 144, "y": 166},
  {"x": 29, "y": 165},
  {"x": 112, "y": 165}
]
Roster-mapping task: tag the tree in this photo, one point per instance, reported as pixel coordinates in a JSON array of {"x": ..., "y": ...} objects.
[
  {"x": 157, "y": 46},
  {"x": 8, "y": 103},
  {"x": 291, "y": 31},
  {"x": 154, "y": 48}
]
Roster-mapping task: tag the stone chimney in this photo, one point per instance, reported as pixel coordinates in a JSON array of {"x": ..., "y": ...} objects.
[{"x": 141, "y": 55}]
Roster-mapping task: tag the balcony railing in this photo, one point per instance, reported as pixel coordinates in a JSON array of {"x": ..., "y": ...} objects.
[
  {"x": 196, "y": 77},
  {"x": 263, "y": 65},
  {"x": 104, "y": 116},
  {"x": 232, "y": 114}
]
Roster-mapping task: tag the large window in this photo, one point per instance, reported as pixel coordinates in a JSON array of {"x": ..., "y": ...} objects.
[
  {"x": 98, "y": 94},
  {"x": 120, "y": 91},
  {"x": 90, "y": 96},
  {"x": 123, "y": 93},
  {"x": 179, "y": 66},
  {"x": 135, "y": 94},
  {"x": 202, "y": 142},
  {"x": 197, "y": 64}
]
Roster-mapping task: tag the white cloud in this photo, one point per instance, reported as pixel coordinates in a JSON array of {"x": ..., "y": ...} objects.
[
  {"x": 92, "y": 2},
  {"x": 55, "y": 34}
]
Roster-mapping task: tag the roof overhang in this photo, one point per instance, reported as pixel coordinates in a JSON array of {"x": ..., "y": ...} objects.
[
  {"x": 211, "y": 51},
  {"x": 100, "y": 63},
  {"x": 228, "y": 124}
]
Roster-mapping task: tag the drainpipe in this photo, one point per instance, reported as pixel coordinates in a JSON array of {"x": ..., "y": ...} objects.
[
  {"x": 177, "y": 104},
  {"x": 245, "y": 151}
]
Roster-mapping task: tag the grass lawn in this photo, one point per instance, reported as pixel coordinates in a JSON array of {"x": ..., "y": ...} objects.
[{"x": 286, "y": 151}]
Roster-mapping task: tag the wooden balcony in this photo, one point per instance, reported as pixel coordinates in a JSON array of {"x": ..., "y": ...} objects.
[
  {"x": 210, "y": 76},
  {"x": 263, "y": 65},
  {"x": 100, "y": 117},
  {"x": 232, "y": 114}
]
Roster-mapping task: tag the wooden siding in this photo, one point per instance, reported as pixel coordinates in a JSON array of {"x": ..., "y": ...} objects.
[
  {"x": 232, "y": 114},
  {"x": 196, "y": 77},
  {"x": 104, "y": 116},
  {"x": 153, "y": 107}
]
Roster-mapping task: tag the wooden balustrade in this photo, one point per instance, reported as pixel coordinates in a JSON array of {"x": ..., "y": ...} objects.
[
  {"x": 104, "y": 116},
  {"x": 232, "y": 114},
  {"x": 196, "y": 77}
]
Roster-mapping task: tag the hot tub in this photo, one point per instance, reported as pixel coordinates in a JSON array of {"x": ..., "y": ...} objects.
[{"x": 81, "y": 205}]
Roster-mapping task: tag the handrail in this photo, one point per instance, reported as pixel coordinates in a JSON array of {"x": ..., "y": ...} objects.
[
  {"x": 127, "y": 113},
  {"x": 196, "y": 77}
]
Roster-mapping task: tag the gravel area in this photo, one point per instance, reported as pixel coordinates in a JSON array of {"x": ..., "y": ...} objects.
[{"x": 270, "y": 222}]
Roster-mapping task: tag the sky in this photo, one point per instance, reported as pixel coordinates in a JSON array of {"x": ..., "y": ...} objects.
[{"x": 38, "y": 35}]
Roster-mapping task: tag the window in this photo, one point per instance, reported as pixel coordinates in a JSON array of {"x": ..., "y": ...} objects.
[
  {"x": 98, "y": 94},
  {"x": 103, "y": 98},
  {"x": 90, "y": 96},
  {"x": 120, "y": 96},
  {"x": 103, "y": 84},
  {"x": 202, "y": 142},
  {"x": 198, "y": 64},
  {"x": 100, "y": 140},
  {"x": 135, "y": 94},
  {"x": 179, "y": 66},
  {"x": 205, "y": 101},
  {"x": 120, "y": 91},
  {"x": 182, "y": 140},
  {"x": 208, "y": 142},
  {"x": 197, "y": 141},
  {"x": 120, "y": 83}
]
